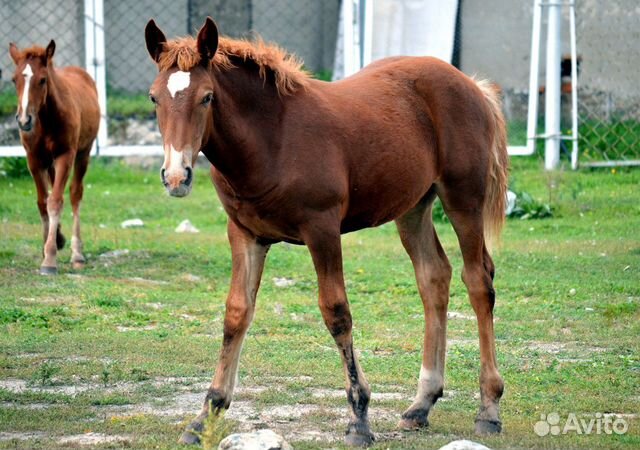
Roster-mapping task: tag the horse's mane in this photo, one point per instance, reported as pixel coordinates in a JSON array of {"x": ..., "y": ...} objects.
[
  {"x": 287, "y": 69},
  {"x": 34, "y": 52}
]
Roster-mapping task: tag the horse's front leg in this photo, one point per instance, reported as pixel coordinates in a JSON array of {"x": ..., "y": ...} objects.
[
  {"x": 62, "y": 168},
  {"x": 248, "y": 258},
  {"x": 40, "y": 177},
  {"x": 323, "y": 241}
]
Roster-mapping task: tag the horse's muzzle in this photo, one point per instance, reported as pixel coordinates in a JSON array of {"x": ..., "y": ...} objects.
[
  {"x": 27, "y": 126},
  {"x": 177, "y": 185}
]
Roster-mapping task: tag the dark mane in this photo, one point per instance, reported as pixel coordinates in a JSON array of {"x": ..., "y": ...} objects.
[{"x": 287, "y": 69}]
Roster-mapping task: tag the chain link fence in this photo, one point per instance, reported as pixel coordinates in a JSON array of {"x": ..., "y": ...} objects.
[
  {"x": 493, "y": 40},
  {"x": 608, "y": 42}
]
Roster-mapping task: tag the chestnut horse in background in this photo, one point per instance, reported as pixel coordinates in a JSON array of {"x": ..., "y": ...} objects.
[
  {"x": 302, "y": 161},
  {"x": 58, "y": 116}
]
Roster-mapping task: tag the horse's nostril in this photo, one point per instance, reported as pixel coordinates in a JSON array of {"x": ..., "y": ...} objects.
[
  {"x": 164, "y": 181},
  {"x": 189, "y": 176}
]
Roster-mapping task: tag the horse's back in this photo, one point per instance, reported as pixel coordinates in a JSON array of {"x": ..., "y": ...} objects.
[{"x": 399, "y": 124}]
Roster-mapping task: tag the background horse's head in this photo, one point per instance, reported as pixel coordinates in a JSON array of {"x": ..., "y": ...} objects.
[
  {"x": 183, "y": 95},
  {"x": 30, "y": 79}
]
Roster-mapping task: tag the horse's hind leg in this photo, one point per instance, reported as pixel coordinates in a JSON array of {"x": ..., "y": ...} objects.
[
  {"x": 433, "y": 275},
  {"x": 77, "y": 189},
  {"x": 465, "y": 212}
]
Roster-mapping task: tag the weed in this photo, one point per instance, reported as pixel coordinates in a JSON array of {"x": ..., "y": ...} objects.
[
  {"x": 45, "y": 373},
  {"x": 216, "y": 428}
]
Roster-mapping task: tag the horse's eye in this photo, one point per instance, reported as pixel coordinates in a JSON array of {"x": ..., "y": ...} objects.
[
  {"x": 207, "y": 99},
  {"x": 153, "y": 99},
  {"x": 42, "y": 81}
]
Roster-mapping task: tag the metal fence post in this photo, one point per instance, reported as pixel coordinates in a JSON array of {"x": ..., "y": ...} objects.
[
  {"x": 552, "y": 88},
  {"x": 95, "y": 61}
]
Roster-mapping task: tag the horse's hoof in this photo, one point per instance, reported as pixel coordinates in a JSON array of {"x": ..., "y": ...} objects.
[
  {"x": 189, "y": 438},
  {"x": 413, "y": 423},
  {"x": 359, "y": 440},
  {"x": 78, "y": 265},
  {"x": 484, "y": 427},
  {"x": 414, "y": 419},
  {"x": 191, "y": 435},
  {"x": 44, "y": 270}
]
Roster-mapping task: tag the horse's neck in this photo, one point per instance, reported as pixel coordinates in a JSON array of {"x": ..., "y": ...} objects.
[
  {"x": 246, "y": 135},
  {"x": 54, "y": 108}
]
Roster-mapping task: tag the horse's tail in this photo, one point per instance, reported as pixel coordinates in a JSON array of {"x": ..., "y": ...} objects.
[{"x": 497, "y": 178}]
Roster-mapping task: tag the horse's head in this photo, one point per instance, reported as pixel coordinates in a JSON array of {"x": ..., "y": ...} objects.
[
  {"x": 30, "y": 79},
  {"x": 183, "y": 93}
]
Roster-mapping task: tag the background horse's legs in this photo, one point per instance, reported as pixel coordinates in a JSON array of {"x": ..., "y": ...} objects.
[
  {"x": 326, "y": 251},
  {"x": 248, "y": 258},
  {"x": 60, "y": 239},
  {"x": 433, "y": 274},
  {"x": 477, "y": 274},
  {"x": 77, "y": 189},
  {"x": 40, "y": 178},
  {"x": 62, "y": 167}
]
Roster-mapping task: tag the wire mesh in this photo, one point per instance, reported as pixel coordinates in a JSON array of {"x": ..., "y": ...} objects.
[
  {"x": 608, "y": 36},
  {"x": 36, "y": 23}
]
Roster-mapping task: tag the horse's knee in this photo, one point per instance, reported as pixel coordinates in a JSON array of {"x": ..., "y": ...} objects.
[{"x": 236, "y": 320}]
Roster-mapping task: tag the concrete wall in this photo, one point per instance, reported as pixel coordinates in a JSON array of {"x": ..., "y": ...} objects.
[{"x": 496, "y": 40}]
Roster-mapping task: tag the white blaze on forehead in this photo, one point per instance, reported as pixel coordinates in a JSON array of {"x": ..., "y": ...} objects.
[
  {"x": 178, "y": 81},
  {"x": 28, "y": 73}
]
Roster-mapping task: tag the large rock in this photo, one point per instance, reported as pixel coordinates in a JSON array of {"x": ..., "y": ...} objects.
[
  {"x": 258, "y": 440},
  {"x": 464, "y": 445}
]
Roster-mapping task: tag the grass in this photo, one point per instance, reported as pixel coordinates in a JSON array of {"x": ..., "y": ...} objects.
[{"x": 126, "y": 346}]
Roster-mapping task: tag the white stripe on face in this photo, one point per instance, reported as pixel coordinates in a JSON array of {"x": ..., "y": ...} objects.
[
  {"x": 178, "y": 81},
  {"x": 28, "y": 73}
]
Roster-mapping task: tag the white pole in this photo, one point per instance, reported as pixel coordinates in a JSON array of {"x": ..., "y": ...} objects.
[
  {"x": 532, "y": 113},
  {"x": 95, "y": 61},
  {"x": 367, "y": 44},
  {"x": 552, "y": 89},
  {"x": 574, "y": 89},
  {"x": 347, "y": 37}
]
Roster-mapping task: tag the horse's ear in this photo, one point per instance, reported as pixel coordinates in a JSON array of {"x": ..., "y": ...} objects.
[
  {"x": 14, "y": 52},
  {"x": 51, "y": 49},
  {"x": 208, "y": 40},
  {"x": 155, "y": 40}
]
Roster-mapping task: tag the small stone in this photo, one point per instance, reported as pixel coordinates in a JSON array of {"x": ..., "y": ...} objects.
[
  {"x": 572, "y": 291},
  {"x": 283, "y": 282},
  {"x": 464, "y": 444},
  {"x": 132, "y": 223},
  {"x": 258, "y": 440},
  {"x": 511, "y": 202},
  {"x": 186, "y": 227},
  {"x": 115, "y": 253}
]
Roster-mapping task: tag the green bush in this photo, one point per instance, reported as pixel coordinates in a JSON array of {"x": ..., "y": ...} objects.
[{"x": 14, "y": 167}]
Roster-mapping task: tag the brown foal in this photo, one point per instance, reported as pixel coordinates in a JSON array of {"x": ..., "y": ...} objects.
[
  {"x": 303, "y": 161},
  {"x": 58, "y": 116}
]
